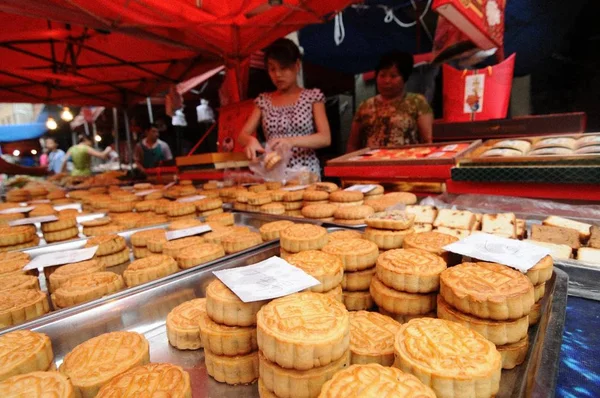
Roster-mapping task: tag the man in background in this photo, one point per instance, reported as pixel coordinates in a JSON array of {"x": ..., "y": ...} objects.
[
  {"x": 151, "y": 151},
  {"x": 55, "y": 155}
]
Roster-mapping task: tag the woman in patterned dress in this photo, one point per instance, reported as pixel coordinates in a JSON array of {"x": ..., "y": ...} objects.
[
  {"x": 292, "y": 117},
  {"x": 394, "y": 117}
]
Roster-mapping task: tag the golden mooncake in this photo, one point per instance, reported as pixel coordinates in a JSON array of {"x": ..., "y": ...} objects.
[
  {"x": 401, "y": 303},
  {"x": 299, "y": 237},
  {"x": 87, "y": 287},
  {"x": 183, "y": 324},
  {"x": 271, "y": 231},
  {"x": 410, "y": 270},
  {"x": 224, "y": 307},
  {"x": 227, "y": 340},
  {"x": 195, "y": 255},
  {"x": 432, "y": 242},
  {"x": 70, "y": 271},
  {"x": 326, "y": 268},
  {"x": 18, "y": 306},
  {"x": 374, "y": 381},
  {"x": 94, "y": 363},
  {"x": 151, "y": 380},
  {"x": 242, "y": 369},
  {"x": 303, "y": 330},
  {"x": 37, "y": 385},
  {"x": 356, "y": 254},
  {"x": 23, "y": 351},
  {"x": 372, "y": 338},
  {"x": 149, "y": 268}
]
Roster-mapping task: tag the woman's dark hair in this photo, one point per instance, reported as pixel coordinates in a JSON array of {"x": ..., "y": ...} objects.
[
  {"x": 150, "y": 126},
  {"x": 284, "y": 51},
  {"x": 404, "y": 62},
  {"x": 83, "y": 137}
]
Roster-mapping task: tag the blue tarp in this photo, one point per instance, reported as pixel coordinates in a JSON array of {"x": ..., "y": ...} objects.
[
  {"x": 21, "y": 132},
  {"x": 534, "y": 29}
]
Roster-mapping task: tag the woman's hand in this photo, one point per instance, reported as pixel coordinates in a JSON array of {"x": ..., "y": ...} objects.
[
  {"x": 281, "y": 145},
  {"x": 252, "y": 148}
]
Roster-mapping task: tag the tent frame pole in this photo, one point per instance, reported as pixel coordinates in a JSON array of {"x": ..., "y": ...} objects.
[
  {"x": 128, "y": 136},
  {"x": 116, "y": 133},
  {"x": 150, "y": 114}
]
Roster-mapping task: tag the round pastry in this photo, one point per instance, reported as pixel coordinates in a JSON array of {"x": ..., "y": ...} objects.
[
  {"x": 209, "y": 204},
  {"x": 323, "y": 186},
  {"x": 372, "y": 338},
  {"x": 11, "y": 236},
  {"x": 312, "y": 196},
  {"x": 154, "y": 220},
  {"x": 354, "y": 223},
  {"x": 393, "y": 219},
  {"x": 346, "y": 196},
  {"x": 410, "y": 270},
  {"x": 356, "y": 254},
  {"x": 535, "y": 314},
  {"x": 237, "y": 242},
  {"x": 224, "y": 307},
  {"x": 86, "y": 287},
  {"x": 145, "y": 205},
  {"x": 514, "y": 354},
  {"x": 293, "y": 196},
  {"x": 110, "y": 260},
  {"x": 37, "y": 385},
  {"x": 257, "y": 188},
  {"x": 349, "y": 204},
  {"x": 21, "y": 305},
  {"x": 358, "y": 280},
  {"x": 293, "y": 213},
  {"x": 59, "y": 225},
  {"x": 18, "y": 281},
  {"x": 148, "y": 269},
  {"x": 432, "y": 242},
  {"x": 69, "y": 271},
  {"x": 289, "y": 206},
  {"x": 272, "y": 159},
  {"x": 319, "y": 210},
  {"x": 353, "y": 212},
  {"x": 273, "y": 208},
  {"x": 336, "y": 293},
  {"x": 141, "y": 252},
  {"x": 184, "y": 224},
  {"x": 32, "y": 243},
  {"x": 257, "y": 199},
  {"x": 387, "y": 239},
  {"x": 59, "y": 236},
  {"x": 13, "y": 262},
  {"x": 140, "y": 238},
  {"x": 277, "y": 195},
  {"x": 538, "y": 292},
  {"x": 358, "y": 300},
  {"x": 183, "y": 324},
  {"x": 155, "y": 243},
  {"x": 97, "y": 361},
  {"x": 195, "y": 255},
  {"x": 23, "y": 351},
  {"x": 153, "y": 380},
  {"x": 422, "y": 343},
  {"x": 299, "y": 237},
  {"x": 292, "y": 383},
  {"x": 102, "y": 230},
  {"x": 227, "y": 340},
  {"x": 377, "y": 191},
  {"x": 374, "y": 380},
  {"x": 400, "y": 302},
  {"x": 107, "y": 244},
  {"x": 541, "y": 272},
  {"x": 487, "y": 290},
  {"x": 326, "y": 268},
  {"x": 232, "y": 370},
  {"x": 498, "y": 332},
  {"x": 271, "y": 231},
  {"x": 173, "y": 247},
  {"x": 120, "y": 206},
  {"x": 303, "y": 330},
  {"x": 344, "y": 235}
]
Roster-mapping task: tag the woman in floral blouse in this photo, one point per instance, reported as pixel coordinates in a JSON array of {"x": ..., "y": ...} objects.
[{"x": 394, "y": 117}]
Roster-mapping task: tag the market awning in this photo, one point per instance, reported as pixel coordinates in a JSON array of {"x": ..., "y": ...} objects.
[{"x": 53, "y": 62}]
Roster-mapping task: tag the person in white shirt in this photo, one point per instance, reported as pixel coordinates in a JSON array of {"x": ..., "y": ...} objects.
[{"x": 151, "y": 151}]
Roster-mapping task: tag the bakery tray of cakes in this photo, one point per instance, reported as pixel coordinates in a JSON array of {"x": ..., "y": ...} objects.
[
  {"x": 426, "y": 329},
  {"x": 319, "y": 203},
  {"x": 445, "y": 153},
  {"x": 122, "y": 261},
  {"x": 569, "y": 149}
]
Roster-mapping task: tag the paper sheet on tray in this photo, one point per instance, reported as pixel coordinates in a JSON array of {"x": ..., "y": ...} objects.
[
  {"x": 511, "y": 252},
  {"x": 66, "y": 257},
  {"x": 266, "y": 280}
]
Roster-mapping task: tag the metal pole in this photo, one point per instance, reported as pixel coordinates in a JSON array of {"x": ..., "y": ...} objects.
[
  {"x": 116, "y": 130},
  {"x": 95, "y": 132},
  {"x": 150, "y": 114},
  {"x": 128, "y": 136},
  {"x": 87, "y": 129}
]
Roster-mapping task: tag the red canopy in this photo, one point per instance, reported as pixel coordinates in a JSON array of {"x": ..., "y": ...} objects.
[
  {"x": 232, "y": 29},
  {"x": 54, "y": 62}
]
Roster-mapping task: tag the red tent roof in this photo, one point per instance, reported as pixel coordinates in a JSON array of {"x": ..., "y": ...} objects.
[{"x": 132, "y": 49}]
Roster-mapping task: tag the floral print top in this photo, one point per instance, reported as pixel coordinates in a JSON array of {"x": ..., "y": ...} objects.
[{"x": 390, "y": 124}]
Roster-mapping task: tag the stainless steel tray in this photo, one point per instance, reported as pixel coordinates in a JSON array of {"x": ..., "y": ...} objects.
[
  {"x": 252, "y": 221},
  {"x": 144, "y": 309},
  {"x": 305, "y": 220}
]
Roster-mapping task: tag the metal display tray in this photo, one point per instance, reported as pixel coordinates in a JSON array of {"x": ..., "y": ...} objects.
[
  {"x": 144, "y": 310},
  {"x": 254, "y": 222}
]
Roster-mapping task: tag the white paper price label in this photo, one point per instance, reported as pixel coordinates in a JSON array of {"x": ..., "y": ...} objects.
[
  {"x": 182, "y": 233},
  {"x": 266, "y": 280},
  {"x": 362, "y": 188},
  {"x": 32, "y": 220},
  {"x": 74, "y": 206},
  {"x": 146, "y": 192},
  {"x": 39, "y": 201},
  {"x": 59, "y": 258},
  {"x": 450, "y": 148},
  {"x": 90, "y": 217},
  {"x": 510, "y": 252},
  {"x": 189, "y": 199},
  {"x": 169, "y": 185},
  {"x": 295, "y": 188},
  {"x": 16, "y": 210},
  {"x": 127, "y": 188}
]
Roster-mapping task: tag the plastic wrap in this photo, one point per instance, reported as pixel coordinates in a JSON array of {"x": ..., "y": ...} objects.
[
  {"x": 276, "y": 172},
  {"x": 522, "y": 207}
]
